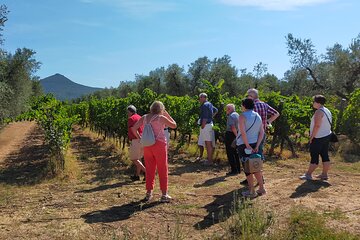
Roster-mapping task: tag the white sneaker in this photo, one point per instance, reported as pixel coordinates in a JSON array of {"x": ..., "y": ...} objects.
[
  {"x": 165, "y": 198},
  {"x": 305, "y": 177}
]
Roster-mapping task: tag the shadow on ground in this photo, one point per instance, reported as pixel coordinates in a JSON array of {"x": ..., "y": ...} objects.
[
  {"x": 102, "y": 162},
  {"x": 307, "y": 187},
  {"x": 220, "y": 209},
  {"x": 193, "y": 167},
  {"x": 117, "y": 213},
  {"x": 105, "y": 187},
  {"x": 211, "y": 181},
  {"x": 28, "y": 165}
]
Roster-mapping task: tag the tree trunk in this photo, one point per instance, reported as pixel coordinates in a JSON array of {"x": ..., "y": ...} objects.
[
  {"x": 272, "y": 148},
  {"x": 312, "y": 74},
  {"x": 291, "y": 146}
]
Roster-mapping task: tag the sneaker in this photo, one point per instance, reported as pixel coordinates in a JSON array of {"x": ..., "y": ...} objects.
[
  {"x": 231, "y": 173},
  {"x": 165, "y": 198},
  {"x": 148, "y": 197},
  {"x": 135, "y": 178},
  {"x": 305, "y": 177},
  {"x": 261, "y": 192},
  {"x": 247, "y": 194},
  {"x": 244, "y": 182},
  {"x": 322, "y": 177},
  {"x": 207, "y": 163}
]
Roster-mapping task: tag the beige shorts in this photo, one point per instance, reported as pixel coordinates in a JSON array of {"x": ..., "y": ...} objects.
[
  {"x": 206, "y": 134},
  {"x": 136, "y": 150}
]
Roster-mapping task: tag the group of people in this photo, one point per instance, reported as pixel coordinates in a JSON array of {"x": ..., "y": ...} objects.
[{"x": 245, "y": 135}]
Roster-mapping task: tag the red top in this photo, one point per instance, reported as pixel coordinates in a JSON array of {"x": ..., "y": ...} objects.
[{"x": 131, "y": 122}]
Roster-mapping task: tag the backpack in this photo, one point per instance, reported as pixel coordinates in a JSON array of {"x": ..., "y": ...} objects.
[{"x": 148, "y": 136}]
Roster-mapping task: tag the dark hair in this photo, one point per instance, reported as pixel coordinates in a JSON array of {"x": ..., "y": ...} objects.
[
  {"x": 319, "y": 99},
  {"x": 248, "y": 103}
]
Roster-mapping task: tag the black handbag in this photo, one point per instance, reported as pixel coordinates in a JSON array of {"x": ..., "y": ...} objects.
[{"x": 333, "y": 137}]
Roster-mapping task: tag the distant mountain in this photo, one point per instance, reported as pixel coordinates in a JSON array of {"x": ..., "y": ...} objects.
[{"x": 65, "y": 89}]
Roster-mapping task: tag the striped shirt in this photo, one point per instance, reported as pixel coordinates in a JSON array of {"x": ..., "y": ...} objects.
[{"x": 264, "y": 110}]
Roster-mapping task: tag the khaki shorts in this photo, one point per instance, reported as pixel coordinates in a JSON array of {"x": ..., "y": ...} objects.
[
  {"x": 136, "y": 150},
  {"x": 206, "y": 134}
]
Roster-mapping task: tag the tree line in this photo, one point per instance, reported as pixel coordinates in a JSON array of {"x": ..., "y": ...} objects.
[
  {"x": 337, "y": 72},
  {"x": 18, "y": 83}
]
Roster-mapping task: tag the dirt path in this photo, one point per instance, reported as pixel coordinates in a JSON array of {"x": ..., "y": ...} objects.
[
  {"x": 102, "y": 203},
  {"x": 12, "y": 137}
]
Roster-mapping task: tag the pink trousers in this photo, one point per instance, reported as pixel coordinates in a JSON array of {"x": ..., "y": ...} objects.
[{"x": 155, "y": 157}]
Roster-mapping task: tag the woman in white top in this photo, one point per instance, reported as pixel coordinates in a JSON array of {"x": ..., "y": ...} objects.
[{"x": 320, "y": 130}]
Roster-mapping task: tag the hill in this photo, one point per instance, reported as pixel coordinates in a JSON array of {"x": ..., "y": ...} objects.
[{"x": 65, "y": 89}]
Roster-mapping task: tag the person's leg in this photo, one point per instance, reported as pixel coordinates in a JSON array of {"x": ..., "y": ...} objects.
[
  {"x": 241, "y": 154},
  {"x": 315, "y": 148},
  {"x": 209, "y": 151},
  {"x": 162, "y": 165},
  {"x": 208, "y": 134},
  {"x": 201, "y": 144},
  {"x": 201, "y": 149},
  {"x": 325, "y": 157},
  {"x": 259, "y": 178},
  {"x": 314, "y": 162},
  {"x": 150, "y": 168},
  {"x": 250, "y": 180},
  {"x": 261, "y": 147},
  {"x": 230, "y": 152},
  {"x": 139, "y": 166},
  {"x": 135, "y": 153}
]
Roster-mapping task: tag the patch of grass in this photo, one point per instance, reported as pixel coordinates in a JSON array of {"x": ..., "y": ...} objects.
[
  {"x": 347, "y": 167},
  {"x": 248, "y": 221},
  {"x": 306, "y": 224},
  {"x": 335, "y": 214},
  {"x": 6, "y": 194},
  {"x": 72, "y": 168}
]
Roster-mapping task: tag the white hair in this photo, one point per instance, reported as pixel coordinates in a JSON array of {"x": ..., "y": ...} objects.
[
  {"x": 253, "y": 91},
  {"x": 231, "y": 106},
  {"x": 203, "y": 95}
]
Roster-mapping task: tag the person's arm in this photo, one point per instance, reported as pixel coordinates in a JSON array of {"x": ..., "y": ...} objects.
[
  {"x": 273, "y": 115},
  {"x": 233, "y": 122},
  {"x": 136, "y": 126},
  {"x": 243, "y": 131},
  {"x": 260, "y": 138},
  {"x": 168, "y": 120},
  {"x": 233, "y": 129},
  {"x": 317, "y": 123},
  {"x": 215, "y": 111}
]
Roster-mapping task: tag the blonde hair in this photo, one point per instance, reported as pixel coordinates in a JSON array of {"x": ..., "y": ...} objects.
[{"x": 156, "y": 107}]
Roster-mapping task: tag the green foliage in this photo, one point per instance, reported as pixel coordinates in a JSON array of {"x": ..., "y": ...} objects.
[
  {"x": 306, "y": 224},
  {"x": 54, "y": 119},
  {"x": 351, "y": 118}
]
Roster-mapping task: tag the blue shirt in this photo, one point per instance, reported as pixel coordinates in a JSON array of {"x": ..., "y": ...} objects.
[
  {"x": 207, "y": 111},
  {"x": 232, "y": 120},
  {"x": 253, "y": 132}
]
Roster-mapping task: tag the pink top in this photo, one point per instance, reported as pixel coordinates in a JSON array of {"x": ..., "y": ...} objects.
[{"x": 157, "y": 127}]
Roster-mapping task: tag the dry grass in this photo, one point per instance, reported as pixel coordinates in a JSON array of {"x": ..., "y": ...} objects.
[{"x": 97, "y": 200}]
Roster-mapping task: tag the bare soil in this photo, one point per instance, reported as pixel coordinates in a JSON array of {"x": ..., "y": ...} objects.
[{"x": 102, "y": 202}]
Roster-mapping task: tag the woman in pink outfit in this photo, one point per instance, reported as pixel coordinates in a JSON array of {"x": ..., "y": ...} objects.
[{"x": 155, "y": 156}]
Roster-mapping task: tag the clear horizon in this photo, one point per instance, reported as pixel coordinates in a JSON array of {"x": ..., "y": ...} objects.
[{"x": 100, "y": 43}]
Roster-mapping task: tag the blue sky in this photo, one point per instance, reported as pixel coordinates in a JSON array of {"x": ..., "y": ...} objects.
[{"x": 100, "y": 43}]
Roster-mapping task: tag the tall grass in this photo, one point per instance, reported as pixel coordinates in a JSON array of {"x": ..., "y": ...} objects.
[{"x": 248, "y": 221}]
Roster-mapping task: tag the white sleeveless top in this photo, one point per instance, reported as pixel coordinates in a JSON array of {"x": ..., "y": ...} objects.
[{"x": 325, "y": 127}]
